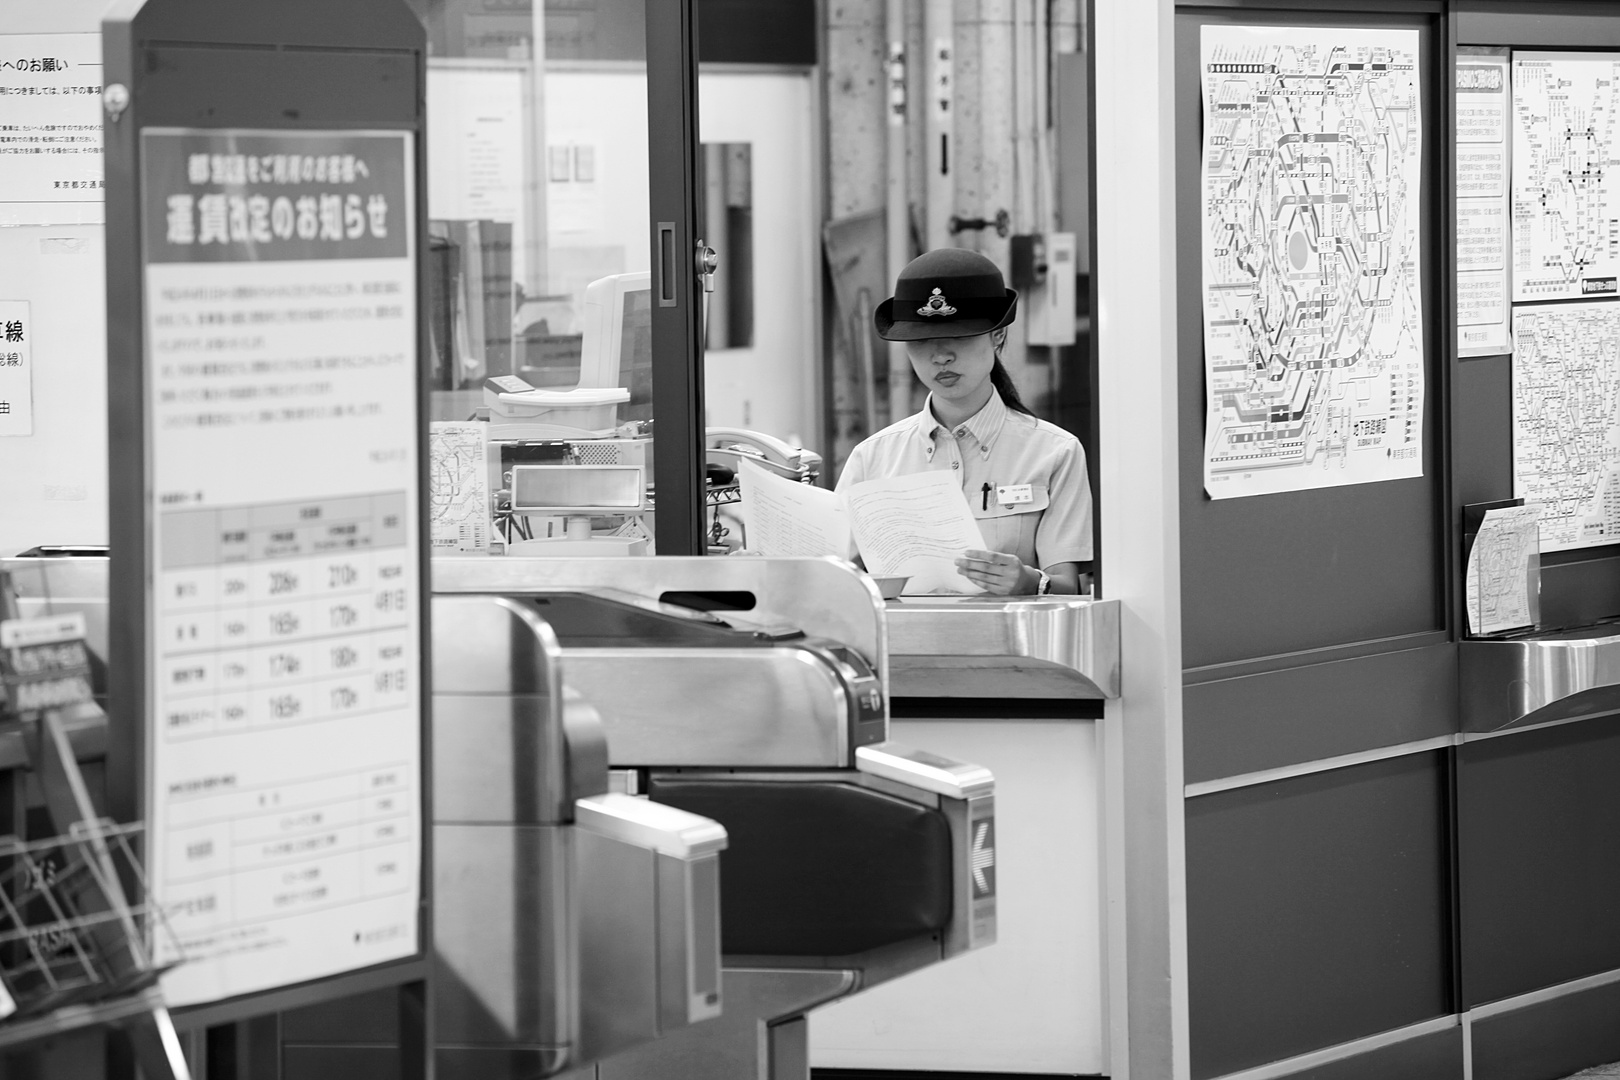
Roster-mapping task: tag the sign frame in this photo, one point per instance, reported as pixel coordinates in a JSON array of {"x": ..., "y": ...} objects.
[{"x": 301, "y": 67}]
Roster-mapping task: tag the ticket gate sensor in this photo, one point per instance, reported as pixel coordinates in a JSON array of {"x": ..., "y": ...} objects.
[{"x": 751, "y": 692}]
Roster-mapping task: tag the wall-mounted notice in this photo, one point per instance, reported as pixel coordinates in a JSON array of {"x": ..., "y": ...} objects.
[
  {"x": 1566, "y": 195},
  {"x": 1313, "y": 318},
  {"x": 458, "y": 487},
  {"x": 1566, "y": 420},
  {"x": 1482, "y": 204},
  {"x": 50, "y": 129},
  {"x": 16, "y": 369},
  {"x": 284, "y": 806},
  {"x": 477, "y": 128}
]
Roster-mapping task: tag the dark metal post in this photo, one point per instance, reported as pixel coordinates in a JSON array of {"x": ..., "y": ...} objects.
[{"x": 677, "y": 311}]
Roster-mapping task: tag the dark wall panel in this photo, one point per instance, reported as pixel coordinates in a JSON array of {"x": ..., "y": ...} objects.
[
  {"x": 1579, "y": 588},
  {"x": 1482, "y": 397},
  {"x": 1538, "y": 826},
  {"x": 1298, "y": 714},
  {"x": 1280, "y": 573},
  {"x": 1438, "y": 1056},
  {"x": 757, "y": 31},
  {"x": 1549, "y": 1040},
  {"x": 1317, "y": 911}
]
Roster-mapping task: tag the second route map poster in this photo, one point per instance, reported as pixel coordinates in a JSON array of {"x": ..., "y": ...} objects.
[{"x": 1313, "y": 319}]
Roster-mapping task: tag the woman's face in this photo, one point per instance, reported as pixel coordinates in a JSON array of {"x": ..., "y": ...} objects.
[{"x": 956, "y": 369}]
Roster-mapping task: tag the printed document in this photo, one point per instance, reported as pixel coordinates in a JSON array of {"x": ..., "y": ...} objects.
[
  {"x": 1500, "y": 593},
  {"x": 788, "y": 518},
  {"x": 915, "y": 526}
]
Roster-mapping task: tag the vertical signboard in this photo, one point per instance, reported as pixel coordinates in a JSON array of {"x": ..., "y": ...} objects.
[{"x": 284, "y": 708}]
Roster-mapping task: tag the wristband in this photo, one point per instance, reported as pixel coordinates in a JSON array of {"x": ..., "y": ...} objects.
[{"x": 1046, "y": 584}]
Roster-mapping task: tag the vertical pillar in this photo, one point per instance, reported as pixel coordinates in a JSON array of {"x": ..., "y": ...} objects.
[
  {"x": 939, "y": 121},
  {"x": 900, "y": 111},
  {"x": 857, "y": 181},
  {"x": 988, "y": 150},
  {"x": 1140, "y": 536},
  {"x": 536, "y": 239}
]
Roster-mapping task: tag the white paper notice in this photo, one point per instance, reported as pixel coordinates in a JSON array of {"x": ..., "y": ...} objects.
[
  {"x": 50, "y": 112},
  {"x": 1566, "y": 420},
  {"x": 1482, "y": 205},
  {"x": 915, "y": 526},
  {"x": 1313, "y": 322},
  {"x": 458, "y": 487},
  {"x": 284, "y": 795},
  {"x": 1566, "y": 192},
  {"x": 787, "y": 518},
  {"x": 1498, "y": 588},
  {"x": 477, "y": 125},
  {"x": 16, "y": 369}
]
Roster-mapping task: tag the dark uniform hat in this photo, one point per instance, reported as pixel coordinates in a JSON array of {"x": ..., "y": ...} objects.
[{"x": 950, "y": 292}]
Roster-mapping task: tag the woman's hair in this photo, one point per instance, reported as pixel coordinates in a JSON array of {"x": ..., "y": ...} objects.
[{"x": 1002, "y": 380}]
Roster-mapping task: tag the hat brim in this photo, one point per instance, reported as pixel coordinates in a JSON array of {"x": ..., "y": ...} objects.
[{"x": 918, "y": 329}]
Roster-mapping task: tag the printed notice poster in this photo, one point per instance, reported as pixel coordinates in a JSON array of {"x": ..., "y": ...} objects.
[
  {"x": 1566, "y": 420},
  {"x": 1566, "y": 192},
  {"x": 1483, "y": 197},
  {"x": 16, "y": 369},
  {"x": 284, "y": 807},
  {"x": 1313, "y": 318},
  {"x": 50, "y": 129}
]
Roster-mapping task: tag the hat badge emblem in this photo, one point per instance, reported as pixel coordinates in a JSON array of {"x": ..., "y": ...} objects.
[{"x": 936, "y": 305}]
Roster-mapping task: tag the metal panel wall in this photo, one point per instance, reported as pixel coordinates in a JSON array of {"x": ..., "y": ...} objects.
[
  {"x": 1316, "y": 624},
  {"x": 1318, "y": 911}
]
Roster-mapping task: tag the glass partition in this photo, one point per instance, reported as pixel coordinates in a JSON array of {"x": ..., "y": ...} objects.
[{"x": 542, "y": 291}]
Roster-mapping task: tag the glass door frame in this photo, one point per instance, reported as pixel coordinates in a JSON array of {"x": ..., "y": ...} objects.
[{"x": 677, "y": 293}]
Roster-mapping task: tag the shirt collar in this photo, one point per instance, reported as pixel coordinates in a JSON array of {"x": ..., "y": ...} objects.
[{"x": 984, "y": 425}]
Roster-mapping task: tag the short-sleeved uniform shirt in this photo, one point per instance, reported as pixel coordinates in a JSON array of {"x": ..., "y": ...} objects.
[{"x": 996, "y": 448}]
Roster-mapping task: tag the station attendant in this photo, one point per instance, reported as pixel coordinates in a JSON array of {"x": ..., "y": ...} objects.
[{"x": 1024, "y": 479}]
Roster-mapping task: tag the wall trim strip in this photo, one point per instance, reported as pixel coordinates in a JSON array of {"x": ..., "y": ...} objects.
[
  {"x": 1546, "y": 993},
  {"x": 1354, "y": 1048},
  {"x": 1306, "y": 768}
]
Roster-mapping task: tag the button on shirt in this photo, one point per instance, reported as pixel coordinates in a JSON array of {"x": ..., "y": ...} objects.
[{"x": 1009, "y": 451}]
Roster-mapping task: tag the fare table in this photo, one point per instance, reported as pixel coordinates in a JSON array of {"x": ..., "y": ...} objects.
[{"x": 1016, "y": 684}]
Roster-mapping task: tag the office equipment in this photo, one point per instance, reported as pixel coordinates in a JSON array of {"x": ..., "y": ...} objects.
[{"x": 617, "y": 346}]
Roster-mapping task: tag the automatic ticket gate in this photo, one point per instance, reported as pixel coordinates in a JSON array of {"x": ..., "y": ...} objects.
[
  {"x": 570, "y": 922},
  {"x": 751, "y": 691}
]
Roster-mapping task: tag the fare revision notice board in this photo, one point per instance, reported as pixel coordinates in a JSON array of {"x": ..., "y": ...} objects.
[{"x": 284, "y": 711}]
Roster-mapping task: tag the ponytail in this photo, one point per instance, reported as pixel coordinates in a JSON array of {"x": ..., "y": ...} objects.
[{"x": 1002, "y": 381}]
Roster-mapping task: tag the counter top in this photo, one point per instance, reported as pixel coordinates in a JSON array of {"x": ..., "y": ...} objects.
[
  {"x": 1541, "y": 678},
  {"x": 1003, "y": 647}
]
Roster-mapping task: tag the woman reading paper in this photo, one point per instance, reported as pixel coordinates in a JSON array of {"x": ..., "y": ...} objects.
[{"x": 1024, "y": 479}]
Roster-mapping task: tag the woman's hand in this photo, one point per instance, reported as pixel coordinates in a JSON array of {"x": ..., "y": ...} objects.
[{"x": 998, "y": 573}]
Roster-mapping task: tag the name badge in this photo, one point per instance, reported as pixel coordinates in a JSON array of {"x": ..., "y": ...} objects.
[{"x": 1013, "y": 494}]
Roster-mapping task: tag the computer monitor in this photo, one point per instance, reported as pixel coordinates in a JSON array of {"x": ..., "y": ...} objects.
[{"x": 617, "y": 346}]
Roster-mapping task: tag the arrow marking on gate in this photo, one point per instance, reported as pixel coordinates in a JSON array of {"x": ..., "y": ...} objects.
[{"x": 982, "y": 857}]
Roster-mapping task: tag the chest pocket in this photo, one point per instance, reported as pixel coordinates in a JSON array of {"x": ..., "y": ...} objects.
[{"x": 1012, "y": 528}]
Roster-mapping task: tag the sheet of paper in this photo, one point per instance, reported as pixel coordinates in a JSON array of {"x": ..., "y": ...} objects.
[
  {"x": 284, "y": 824},
  {"x": 1565, "y": 194},
  {"x": 1482, "y": 205},
  {"x": 786, "y": 518},
  {"x": 1566, "y": 420},
  {"x": 477, "y": 123},
  {"x": 458, "y": 487},
  {"x": 1313, "y": 320},
  {"x": 916, "y": 526},
  {"x": 1498, "y": 587},
  {"x": 50, "y": 111}
]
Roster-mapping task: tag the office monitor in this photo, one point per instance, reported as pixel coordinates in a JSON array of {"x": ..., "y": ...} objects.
[{"x": 617, "y": 348}]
